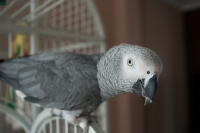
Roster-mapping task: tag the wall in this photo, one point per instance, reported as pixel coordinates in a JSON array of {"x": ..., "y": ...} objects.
[
  {"x": 164, "y": 32},
  {"x": 192, "y": 22},
  {"x": 159, "y": 27}
]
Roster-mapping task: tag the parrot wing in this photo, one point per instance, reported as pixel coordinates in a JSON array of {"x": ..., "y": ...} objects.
[{"x": 54, "y": 80}]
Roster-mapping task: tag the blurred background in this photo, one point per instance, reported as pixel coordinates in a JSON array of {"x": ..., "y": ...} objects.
[{"x": 169, "y": 27}]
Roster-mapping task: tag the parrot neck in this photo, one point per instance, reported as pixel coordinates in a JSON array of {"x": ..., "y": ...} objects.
[
  {"x": 107, "y": 93},
  {"x": 109, "y": 74}
]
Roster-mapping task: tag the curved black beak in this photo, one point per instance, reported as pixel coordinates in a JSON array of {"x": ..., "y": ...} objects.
[{"x": 148, "y": 91}]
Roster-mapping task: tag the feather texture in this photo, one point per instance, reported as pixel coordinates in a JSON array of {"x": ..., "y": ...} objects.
[{"x": 55, "y": 80}]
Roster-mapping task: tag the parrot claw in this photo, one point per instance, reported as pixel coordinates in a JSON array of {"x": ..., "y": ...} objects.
[
  {"x": 86, "y": 120},
  {"x": 89, "y": 119},
  {"x": 93, "y": 119}
]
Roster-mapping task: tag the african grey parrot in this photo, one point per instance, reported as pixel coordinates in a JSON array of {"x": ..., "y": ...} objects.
[{"x": 76, "y": 84}]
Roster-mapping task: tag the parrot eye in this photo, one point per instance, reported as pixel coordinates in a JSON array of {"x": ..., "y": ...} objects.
[
  {"x": 130, "y": 62},
  {"x": 148, "y": 72}
]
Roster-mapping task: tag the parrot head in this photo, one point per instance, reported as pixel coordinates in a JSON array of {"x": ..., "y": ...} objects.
[{"x": 129, "y": 68}]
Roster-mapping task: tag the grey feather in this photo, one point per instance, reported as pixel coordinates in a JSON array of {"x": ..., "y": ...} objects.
[
  {"x": 55, "y": 80},
  {"x": 32, "y": 100},
  {"x": 69, "y": 81}
]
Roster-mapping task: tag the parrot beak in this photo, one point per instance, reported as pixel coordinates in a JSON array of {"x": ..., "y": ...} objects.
[{"x": 148, "y": 91}]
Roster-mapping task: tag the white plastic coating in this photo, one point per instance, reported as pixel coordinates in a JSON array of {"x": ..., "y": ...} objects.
[
  {"x": 38, "y": 8},
  {"x": 48, "y": 9},
  {"x": 76, "y": 17},
  {"x": 57, "y": 125},
  {"x": 44, "y": 129},
  {"x": 50, "y": 127},
  {"x": 79, "y": 42},
  {"x": 7, "y": 7},
  {"x": 46, "y": 117},
  {"x": 62, "y": 16},
  {"x": 66, "y": 127},
  {"x": 33, "y": 48},
  {"x": 75, "y": 129},
  {"x": 69, "y": 15},
  {"x": 54, "y": 17},
  {"x": 55, "y": 33},
  {"x": 43, "y": 5},
  {"x": 20, "y": 10},
  {"x": 10, "y": 45}
]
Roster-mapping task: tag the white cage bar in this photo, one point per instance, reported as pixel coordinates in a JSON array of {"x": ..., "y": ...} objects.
[{"x": 61, "y": 25}]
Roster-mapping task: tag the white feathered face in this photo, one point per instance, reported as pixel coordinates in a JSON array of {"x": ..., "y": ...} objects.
[
  {"x": 141, "y": 68},
  {"x": 134, "y": 67},
  {"x": 129, "y": 68}
]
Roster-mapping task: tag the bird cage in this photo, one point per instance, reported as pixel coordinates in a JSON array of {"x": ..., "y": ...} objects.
[{"x": 37, "y": 26}]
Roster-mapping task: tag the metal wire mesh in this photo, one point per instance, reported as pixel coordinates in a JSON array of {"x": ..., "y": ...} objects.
[
  {"x": 71, "y": 16},
  {"x": 49, "y": 25},
  {"x": 56, "y": 125}
]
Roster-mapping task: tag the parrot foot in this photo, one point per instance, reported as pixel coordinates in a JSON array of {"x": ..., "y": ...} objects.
[
  {"x": 93, "y": 118},
  {"x": 89, "y": 118},
  {"x": 86, "y": 120}
]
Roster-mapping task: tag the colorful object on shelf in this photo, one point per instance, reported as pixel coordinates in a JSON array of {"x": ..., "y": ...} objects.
[
  {"x": 9, "y": 97},
  {"x": 19, "y": 48}
]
